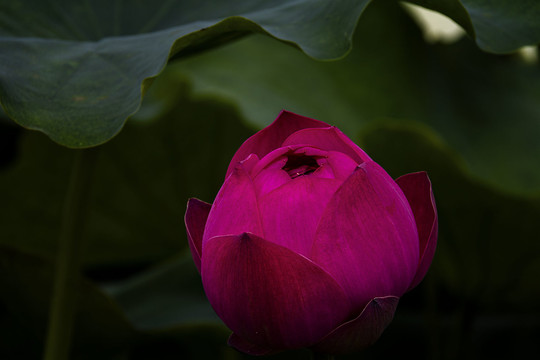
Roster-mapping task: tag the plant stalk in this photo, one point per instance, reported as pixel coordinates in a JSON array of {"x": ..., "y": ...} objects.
[{"x": 67, "y": 266}]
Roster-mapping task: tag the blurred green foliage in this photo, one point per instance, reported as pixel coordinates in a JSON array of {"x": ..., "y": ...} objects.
[
  {"x": 484, "y": 106},
  {"x": 469, "y": 118},
  {"x": 76, "y": 70}
]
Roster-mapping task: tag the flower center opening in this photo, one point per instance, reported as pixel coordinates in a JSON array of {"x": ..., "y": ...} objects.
[{"x": 300, "y": 164}]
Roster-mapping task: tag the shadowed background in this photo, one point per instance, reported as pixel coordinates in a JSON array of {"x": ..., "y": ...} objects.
[{"x": 469, "y": 118}]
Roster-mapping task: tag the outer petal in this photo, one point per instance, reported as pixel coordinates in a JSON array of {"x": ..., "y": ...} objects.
[
  {"x": 329, "y": 139},
  {"x": 417, "y": 189},
  {"x": 235, "y": 209},
  {"x": 367, "y": 238},
  {"x": 363, "y": 331},
  {"x": 269, "y": 295},
  {"x": 290, "y": 213},
  {"x": 272, "y": 136},
  {"x": 195, "y": 220}
]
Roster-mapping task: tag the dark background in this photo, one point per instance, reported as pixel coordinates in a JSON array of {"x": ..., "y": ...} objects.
[{"x": 469, "y": 118}]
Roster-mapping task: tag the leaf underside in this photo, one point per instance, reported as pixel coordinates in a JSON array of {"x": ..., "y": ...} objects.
[{"x": 78, "y": 70}]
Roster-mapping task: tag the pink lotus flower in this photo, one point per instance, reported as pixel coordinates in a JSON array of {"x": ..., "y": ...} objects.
[{"x": 309, "y": 242}]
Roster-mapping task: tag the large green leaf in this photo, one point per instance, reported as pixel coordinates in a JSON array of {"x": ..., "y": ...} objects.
[
  {"x": 142, "y": 182},
  {"x": 76, "y": 70},
  {"x": 484, "y": 106},
  {"x": 499, "y": 26}
]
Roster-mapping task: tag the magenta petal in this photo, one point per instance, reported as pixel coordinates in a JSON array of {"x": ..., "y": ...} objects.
[
  {"x": 290, "y": 213},
  {"x": 342, "y": 166},
  {"x": 270, "y": 179},
  {"x": 269, "y": 295},
  {"x": 276, "y": 159},
  {"x": 367, "y": 238},
  {"x": 329, "y": 139},
  {"x": 363, "y": 331},
  {"x": 250, "y": 162},
  {"x": 235, "y": 209},
  {"x": 246, "y": 347},
  {"x": 272, "y": 136},
  {"x": 195, "y": 220},
  {"x": 417, "y": 189}
]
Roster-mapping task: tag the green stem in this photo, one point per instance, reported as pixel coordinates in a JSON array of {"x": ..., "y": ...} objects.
[{"x": 63, "y": 302}]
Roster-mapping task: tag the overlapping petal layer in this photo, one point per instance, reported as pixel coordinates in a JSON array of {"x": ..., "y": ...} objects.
[
  {"x": 195, "y": 219},
  {"x": 290, "y": 208},
  {"x": 310, "y": 243},
  {"x": 342, "y": 165},
  {"x": 272, "y": 136},
  {"x": 417, "y": 189},
  {"x": 269, "y": 295},
  {"x": 235, "y": 209},
  {"x": 329, "y": 138},
  {"x": 367, "y": 238},
  {"x": 290, "y": 213}
]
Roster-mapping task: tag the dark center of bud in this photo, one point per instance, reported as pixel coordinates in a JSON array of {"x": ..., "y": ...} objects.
[{"x": 300, "y": 164}]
